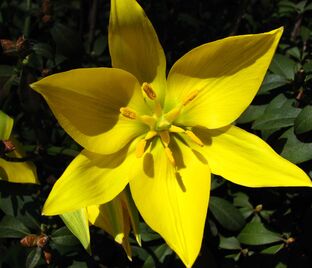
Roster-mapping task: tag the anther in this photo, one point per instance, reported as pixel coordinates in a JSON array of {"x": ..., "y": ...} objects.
[
  {"x": 170, "y": 155},
  {"x": 190, "y": 97},
  {"x": 128, "y": 112},
  {"x": 140, "y": 148},
  {"x": 147, "y": 88},
  {"x": 194, "y": 138}
]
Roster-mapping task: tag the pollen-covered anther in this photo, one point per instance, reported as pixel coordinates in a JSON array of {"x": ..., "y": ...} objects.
[
  {"x": 140, "y": 148},
  {"x": 128, "y": 112},
  {"x": 170, "y": 155},
  {"x": 194, "y": 138},
  {"x": 190, "y": 97},
  {"x": 150, "y": 93}
]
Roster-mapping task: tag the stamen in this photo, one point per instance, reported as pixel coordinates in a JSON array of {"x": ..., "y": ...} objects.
[
  {"x": 194, "y": 138},
  {"x": 176, "y": 129},
  {"x": 151, "y": 134},
  {"x": 148, "y": 120},
  {"x": 190, "y": 97},
  {"x": 128, "y": 112},
  {"x": 170, "y": 155},
  {"x": 140, "y": 148},
  {"x": 165, "y": 137},
  {"x": 147, "y": 88},
  {"x": 173, "y": 114}
]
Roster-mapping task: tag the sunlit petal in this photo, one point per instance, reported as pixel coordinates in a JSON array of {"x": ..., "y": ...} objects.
[
  {"x": 134, "y": 45},
  {"x": 227, "y": 73},
  {"x": 91, "y": 179},
  {"x": 172, "y": 201},
  {"x": 87, "y": 104},
  {"x": 245, "y": 159}
]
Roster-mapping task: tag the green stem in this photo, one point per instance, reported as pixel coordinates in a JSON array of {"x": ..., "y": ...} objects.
[{"x": 27, "y": 19}]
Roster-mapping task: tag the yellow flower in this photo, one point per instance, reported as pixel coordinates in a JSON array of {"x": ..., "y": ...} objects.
[
  {"x": 163, "y": 136},
  {"x": 16, "y": 172}
]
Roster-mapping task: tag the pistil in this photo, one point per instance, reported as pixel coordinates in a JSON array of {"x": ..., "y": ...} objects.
[{"x": 160, "y": 124}]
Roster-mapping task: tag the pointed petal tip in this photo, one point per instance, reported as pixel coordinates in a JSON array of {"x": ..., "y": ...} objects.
[
  {"x": 119, "y": 238},
  {"x": 138, "y": 239},
  {"x": 129, "y": 258}
]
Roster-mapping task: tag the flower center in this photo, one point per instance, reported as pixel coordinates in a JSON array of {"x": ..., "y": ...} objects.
[{"x": 161, "y": 124}]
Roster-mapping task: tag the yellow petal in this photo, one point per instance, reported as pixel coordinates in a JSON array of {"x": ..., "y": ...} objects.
[
  {"x": 18, "y": 172},
  {"x": 91, "y": 179},
  {"x": 245, "y": 159},
  {"x": 132, "y": 212},
  {"x": 113, "y": 219},
  {"x": 134, "y": 45},
  {"x": 227, "y": 73},
  {"x": 6, "y": 125},
  {"x": 172, "y": 201},
  {"x": 109, "y": 217},
  {"x": 87, "y": 103},
  {"x": 77, "y": 222}
]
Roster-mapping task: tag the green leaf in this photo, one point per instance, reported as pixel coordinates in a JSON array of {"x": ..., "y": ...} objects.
[
  {"x": 11, "y": 227},
  {"x": 308, "y": 67},
  {"x": 279, "y": 113},
  {"x": 6, "y": 70},
  {"x": 43, "y": 49},
  {"x": 303, "y": 122},
  {"x": 281, "y": 265},
  {"x": 226, "y": 214},
  {"x": 77, "y": 222},
  {"x": 241, "y": 200},
  {"x": 283, "y": 66},
  {"x": 295, "y": 150},
  {"x": 64, "y": 237},
  {"x": 295, "y": 52},
  {"x": 78, "y": 264},
  {"x": 6, "y": 125},
  {"x": 252, "y": 113},
  {"x": 160, "y": 253},
  {"x": 100, "y": 45},
  {"x": 254, "y": 234},
  {"x": 229, "y": 243},
  {"x": 33, "y": 258},
  {"x": 305, "y": 32},
  {"x": 216, "y": 182},
  {"x": 67, "y": 41},
  {"x": 273, "y": 249},
  {"x": 272, "y": 81},
  {"x": 148, "y": 234}
]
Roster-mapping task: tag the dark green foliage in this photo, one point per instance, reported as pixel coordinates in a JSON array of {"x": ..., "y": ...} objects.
[{"x": 245, "y": 227}]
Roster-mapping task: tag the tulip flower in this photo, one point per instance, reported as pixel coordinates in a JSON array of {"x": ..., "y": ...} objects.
[{"x": 163, "y": 136}]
